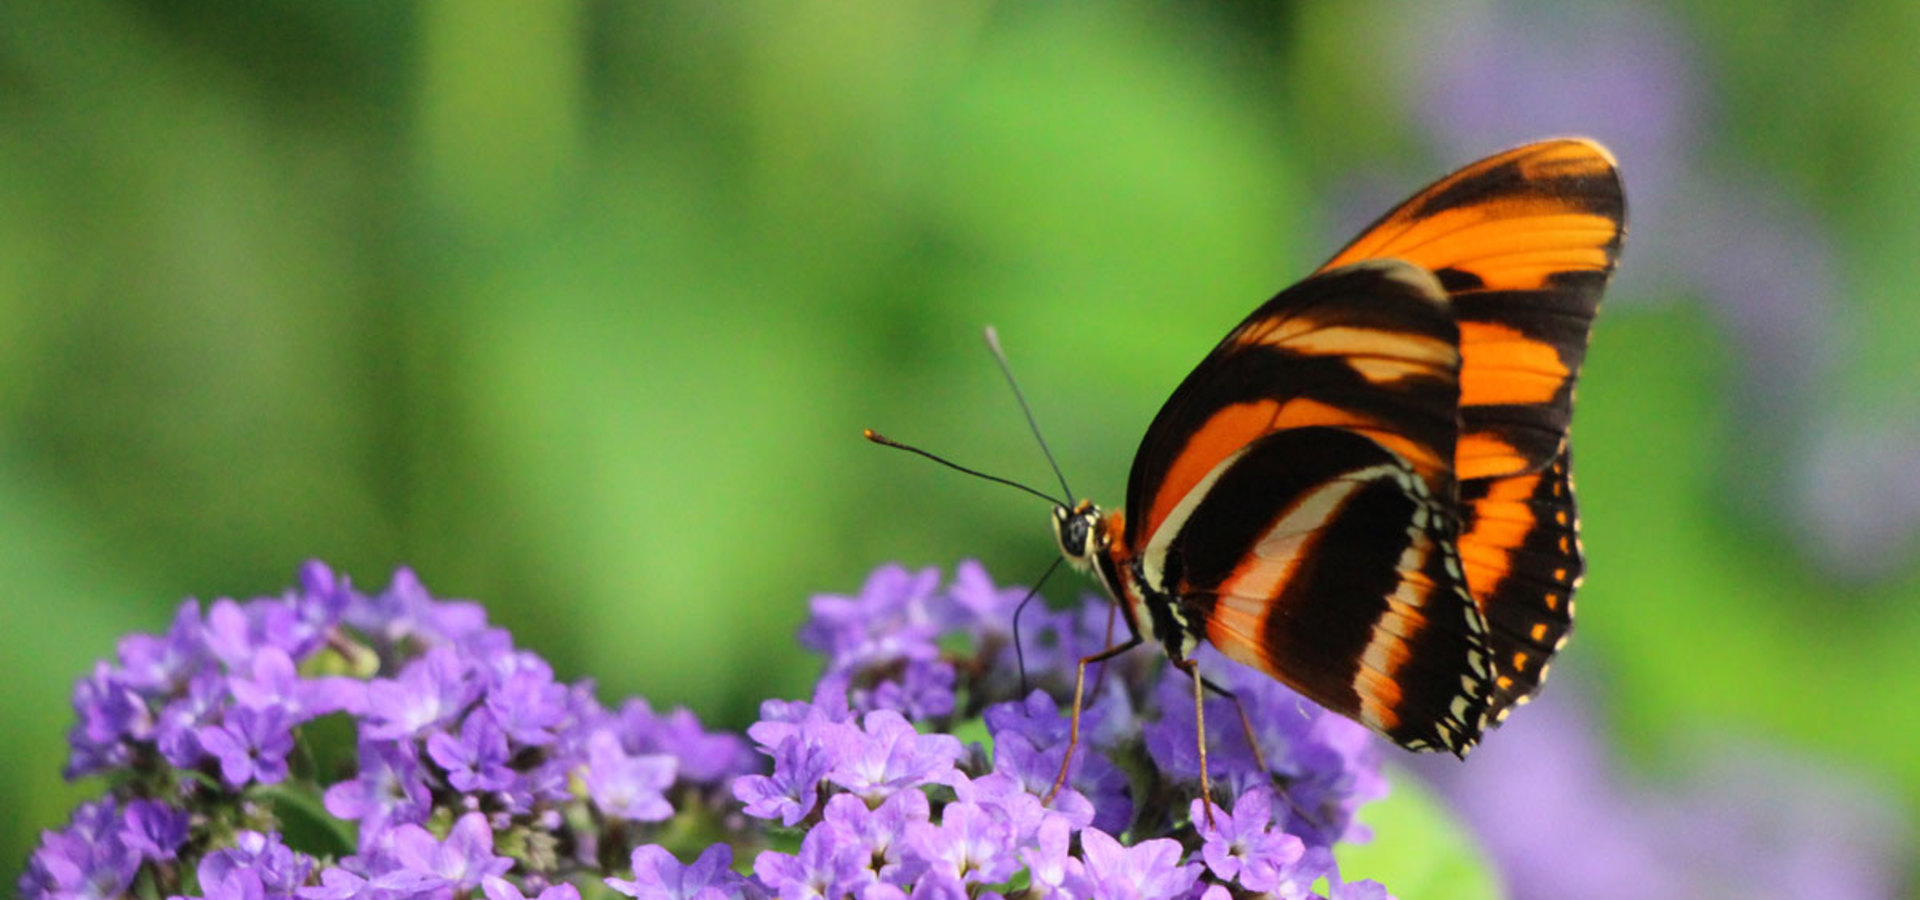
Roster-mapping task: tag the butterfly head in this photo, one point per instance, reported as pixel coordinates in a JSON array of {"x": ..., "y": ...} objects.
[{"x": 1081, "y": 532}]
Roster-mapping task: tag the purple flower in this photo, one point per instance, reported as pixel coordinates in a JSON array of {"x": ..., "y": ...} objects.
[
  {"x": 892, "y": 756},
  {"x": 877, "y": 837},
  {"x": 1029, "y": 744},
  {"x": 405, "y": 610},
  {"x": 527, "y": 705},
  {"x": 969, "y": 845},
  {"x": 789, "y": 794},
  {"x": 429, "y": 692},
  {"x": 1054, "y": 870},
  {"x": 156, "y": 664},
  {"x": 274, "y": 682},
  {"x": 390, "y": 789},
  {"x": 924, "y": 690},
  {"x": 657, "y": 875},
  {"x": 110, "y": 711},
  {"x": 88, "y": 859},
  {"x": 154, "y": 830},
  {"x": 979, "y": 604},
  {"x": 252, "y": 745},
  {"x": 1020, "y": 809},
  {"x": 1150, "y": 870},
  {"x": 256, "y": 862},
  {"x": 234, "y": 884},
  {"x": 459, "y": 862},
  {"x": 826, "y": 867},
  {"x": 889, "y": 627},
  {"x": 1243, "y": 847},
  {"x": 476, "y": 760},
  {"x": 625, "y": 786},
  {"x": 892, "y": 604},
  {"x": 183, "y": 717}
]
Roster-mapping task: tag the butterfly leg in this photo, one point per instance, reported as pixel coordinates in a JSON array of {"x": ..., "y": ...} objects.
[
  {"x": 1192, "y": 668},
  {"x": 1113, "y": 612},
  {"x": 1259, "y": 759},
  {"x": 1079, "y": 686},
  {"x": 1246, "y": 724}
]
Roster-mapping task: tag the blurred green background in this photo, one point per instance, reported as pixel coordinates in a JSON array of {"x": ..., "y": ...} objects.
[{"x": 578, "y": 309}]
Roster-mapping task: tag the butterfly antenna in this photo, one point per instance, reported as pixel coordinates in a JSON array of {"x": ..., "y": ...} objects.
[
  {"x": 1019, "y": 655},
  {"x": 885, "y": 441},
  {"x": 1000, "y": 356}
]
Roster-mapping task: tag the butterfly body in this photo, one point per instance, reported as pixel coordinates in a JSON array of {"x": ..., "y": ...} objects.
[{"x": 1363, "y": 490}]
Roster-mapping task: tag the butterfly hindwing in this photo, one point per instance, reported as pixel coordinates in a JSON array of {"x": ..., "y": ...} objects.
[
  {"x": 1520, "y": 546},
  {"x": 1296, "y": 495}
]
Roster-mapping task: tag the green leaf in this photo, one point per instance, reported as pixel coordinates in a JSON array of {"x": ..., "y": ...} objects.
[{"x": 1419, "y": 849}]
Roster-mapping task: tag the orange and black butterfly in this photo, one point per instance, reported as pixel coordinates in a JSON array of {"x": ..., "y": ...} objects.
[{"x": 1364, "y": 490}]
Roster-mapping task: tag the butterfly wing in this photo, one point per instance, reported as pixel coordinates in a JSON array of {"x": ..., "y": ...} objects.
[
  {"x": 1524, "y": 242},
  {"x": 1295, "y": 493}
]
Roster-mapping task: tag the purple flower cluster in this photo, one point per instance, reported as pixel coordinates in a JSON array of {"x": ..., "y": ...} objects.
[
  {"x": 462, "y": 758},
  {"x": 472, "y": 771},
  {"x": 889, "y": 811}
]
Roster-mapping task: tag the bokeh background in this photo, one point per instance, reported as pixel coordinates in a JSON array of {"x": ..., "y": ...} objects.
[{"x": 578, "y": 309}]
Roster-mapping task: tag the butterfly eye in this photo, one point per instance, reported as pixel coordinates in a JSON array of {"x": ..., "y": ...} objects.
[{"x": 1070, "y": 529}]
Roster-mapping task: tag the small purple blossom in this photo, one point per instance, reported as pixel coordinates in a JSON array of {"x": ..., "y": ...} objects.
[
  {"x": 1244, "y": 848},
  {"x": 790, "y": 793},
  {"x": 657, "y": 875},
  {"x": 429, "y": 692},
  {"x": 969, "y": 844},
  {"x": 459, "y": 862},
  {"x": 704, "y": 756},
  {"x": 154, "y": 830},
  {"x": 252, "y": 745},
  {"x": 1150, "y": 870},
  {"x": 878, "y": 836},
  {"x": 256, "y": 862},
  {"x": 390, "y": 789},
  {"x": 527, "y": 705},
  {"x": 627, "y": 786},
  {"x": 891, "y": 756},
  {"x": 825, "y": 867},
  {"x": 475, "y": 760}
]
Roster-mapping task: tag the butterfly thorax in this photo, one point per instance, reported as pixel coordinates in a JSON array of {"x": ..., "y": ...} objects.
[{"x": 1094, "y": 540}]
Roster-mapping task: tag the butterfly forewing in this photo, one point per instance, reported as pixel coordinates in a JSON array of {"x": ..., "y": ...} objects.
[
  {"x": 1524, "y": 242},
  {"x": 1370, "y": 347}
]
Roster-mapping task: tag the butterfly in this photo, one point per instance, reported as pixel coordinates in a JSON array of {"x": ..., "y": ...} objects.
[{"x": 1365, "y": 490}]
